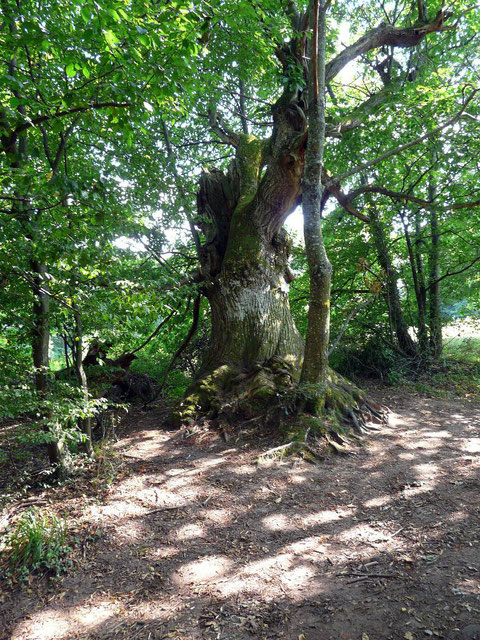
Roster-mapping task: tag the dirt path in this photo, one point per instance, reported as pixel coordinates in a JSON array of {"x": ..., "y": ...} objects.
[{"x": 194, "y": 541}]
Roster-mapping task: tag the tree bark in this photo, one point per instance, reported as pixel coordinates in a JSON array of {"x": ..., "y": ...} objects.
[
  {"x": 422, "y": 289},
  {"x": 422, "y": 332},
  {"x": 315, "y": 364},
  {"x": 40, "y": 346},
  {"x": 246, "y": 276},
  {"x": 397, "y": 319},
  {"x": 85, "y": 424},
  {"x": 434, "y": 307}
]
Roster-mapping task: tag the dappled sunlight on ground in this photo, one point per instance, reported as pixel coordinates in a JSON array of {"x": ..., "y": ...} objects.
[
  {"x": 197, "y": 542},
  {"x": 472, "y": 445},
  {"x": 70, "y": 620},
  {"x": 203, "y": 569}
]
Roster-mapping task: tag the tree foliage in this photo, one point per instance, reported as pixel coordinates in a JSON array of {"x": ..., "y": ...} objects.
[{"x": 110, "y": 111}]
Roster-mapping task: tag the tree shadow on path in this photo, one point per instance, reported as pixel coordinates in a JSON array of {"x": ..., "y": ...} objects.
[{"x": 198, "y": 541}]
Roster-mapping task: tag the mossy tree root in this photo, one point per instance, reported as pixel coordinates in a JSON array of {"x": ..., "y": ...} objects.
[
  {"x": 308, "y": 417},
  {"x": 340, "y": 413},
  {"x": 232, "y": 394}
]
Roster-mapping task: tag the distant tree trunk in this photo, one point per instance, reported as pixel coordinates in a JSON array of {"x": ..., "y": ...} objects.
[
  {"x": 65, "y": 351},
  {"x": 422, "y": 331},
  {"x": 434, "y": 309},
  {"x": 41, "y": 328},
  {"x": 85, "y": 424},
  {"x": 422, "y": 288},
  {"x": 397, "y": 318},
  {"x": 40, "y": 347}
]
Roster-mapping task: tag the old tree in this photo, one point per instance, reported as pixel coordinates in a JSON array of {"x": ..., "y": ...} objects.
[
  {"x": 255, "y": 352},
  {"x": 131, "y": 119}
]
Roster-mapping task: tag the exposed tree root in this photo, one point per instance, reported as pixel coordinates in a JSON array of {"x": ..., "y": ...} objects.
[
  {"x": 291, "y": 448},
  {"x": 312, "y": 420}
]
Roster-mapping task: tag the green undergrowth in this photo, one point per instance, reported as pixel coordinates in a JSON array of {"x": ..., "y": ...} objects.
[
  {"x": 455, "y": 374},
  {"x": 447, "y": 379},
  {"x": 463, "y": 349},
  {"x": 36, "y": 545}
]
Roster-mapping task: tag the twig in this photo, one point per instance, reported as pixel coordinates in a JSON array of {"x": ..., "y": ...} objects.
[
  {"x": 157, "y": 330},
  {"x": 365, "y": 576},
  {"x": 182, "y": 506}
]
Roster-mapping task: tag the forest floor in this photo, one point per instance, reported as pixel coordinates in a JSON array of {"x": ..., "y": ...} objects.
[{"x": 192, "y": 539}]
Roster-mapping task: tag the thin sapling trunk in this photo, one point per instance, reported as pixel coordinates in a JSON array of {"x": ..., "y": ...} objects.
[
  {"x": 85, "y": 424},
  {"x": 315, "y": 364}
]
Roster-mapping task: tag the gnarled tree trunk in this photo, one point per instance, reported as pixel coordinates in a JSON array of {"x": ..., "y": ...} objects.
[
  {"x": 245, "y": 257},
  {"x": 255, "y": 352}
]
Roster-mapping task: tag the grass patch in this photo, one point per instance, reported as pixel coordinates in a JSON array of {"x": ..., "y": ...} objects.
[
  {"x": 36, "y": 545},
  {"x": 447, "y": 379},
  {"x": 463, "y": 349}
]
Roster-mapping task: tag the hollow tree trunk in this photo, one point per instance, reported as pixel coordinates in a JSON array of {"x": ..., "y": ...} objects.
[
  {"x": 251, "y": 319},
  {"x": 247, "y": 265},
  {"x": 255, "y": 353},
  {"x": 243, "y": 253}
]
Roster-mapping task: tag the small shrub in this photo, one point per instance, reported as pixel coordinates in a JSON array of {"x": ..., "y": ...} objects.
[
  {"x": 373, "y": 359},
  {"x": 36, "y": 545}
]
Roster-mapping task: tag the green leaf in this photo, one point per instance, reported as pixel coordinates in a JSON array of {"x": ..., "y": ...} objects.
[
  {"x": 111, "y": 38},
  {"x": 70, "y": 69},
  {"x": 86, "y": 13},
  {"x": 137, "y": 55},
  {"x": 114, "y": 15}
]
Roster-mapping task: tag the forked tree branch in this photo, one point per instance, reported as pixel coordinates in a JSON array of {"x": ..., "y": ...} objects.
[
  {"x": 157, "y": 330},
  {"x": 218, "y": 127},
  {"x": 403, "y": 147},
  {"x": 344, "y": 202},
  {"x": 386, "y": 35},
  {"x": 34, "y": 122},
  {"x": 406, "y": 197},
  {"x": 453, "y": 273}
]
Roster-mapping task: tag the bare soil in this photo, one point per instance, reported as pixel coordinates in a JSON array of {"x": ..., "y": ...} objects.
[{"x": 194, "y": 540}]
